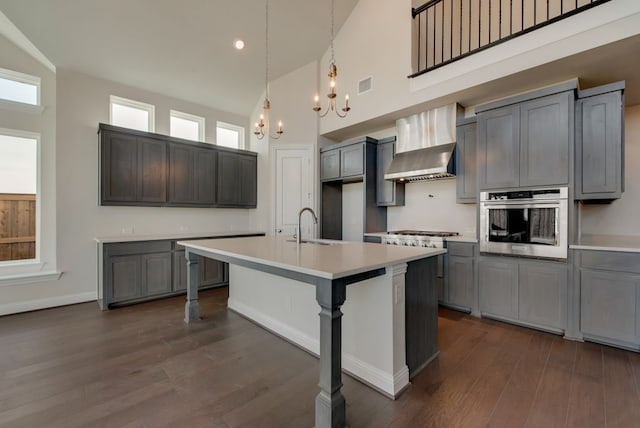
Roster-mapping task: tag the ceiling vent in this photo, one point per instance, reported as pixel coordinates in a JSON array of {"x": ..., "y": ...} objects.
[{"x": 365, "y": 85}]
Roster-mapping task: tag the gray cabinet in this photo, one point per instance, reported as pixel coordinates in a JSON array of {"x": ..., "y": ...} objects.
[
  {"x": 388, "y": 192},
  {"x": 466, "y": 170},
  {"x": 600, "y": 143},
  {"x": 132, "y": 272},
  {"x": 145, "y": 169},
  {"x": 237, "y": 176},
  {"x": 545, "y": 131},
  {"x": 610, "y": 297},
  {"x": 330, "y": 165},
  {"x": 542, "y": 294},
  {"x": 498, "y": 286},
  {"x": 524, "y": 291},
  {"x": 499, "y": 148},
  {"x": 352, "y": 160},
  {"x": 459, "y": 275},
  {"x": 192, "y": 175},
  {"x": 526, "y": 142},
  {"x": 375, "y": 217},
  {"x": 137, "y": 270},
  {"x": 124, "y": 277},
  {"x": 133, "y": 170},
  {"x": 211, "y": 272},
  {"x": 156, "y": 273},
  {"x": 344, "y": 162}
]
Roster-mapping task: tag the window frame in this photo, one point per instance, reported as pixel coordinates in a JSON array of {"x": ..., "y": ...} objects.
[
  {"x": 28, "y": 79},
  {"x": 149, "y": 108},
  {"x": 232, "y": 127},
  {"x": 7, "y": 264},
  {"x": 190, "y": 117}
]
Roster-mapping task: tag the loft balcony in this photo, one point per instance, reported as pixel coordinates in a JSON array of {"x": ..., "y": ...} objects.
[{"x": 444, "y": 31}]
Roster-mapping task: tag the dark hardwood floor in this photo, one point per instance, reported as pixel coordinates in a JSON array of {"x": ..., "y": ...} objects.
[{"x": 141, "y": 366}]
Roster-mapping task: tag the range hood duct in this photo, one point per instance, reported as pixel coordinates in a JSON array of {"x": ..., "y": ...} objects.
[{"x": 426, "y": 145}]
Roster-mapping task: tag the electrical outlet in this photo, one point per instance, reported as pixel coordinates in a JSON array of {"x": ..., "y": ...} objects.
[
  {"x": 183, "y": 228},
  {"x": 127, "y": 230}
]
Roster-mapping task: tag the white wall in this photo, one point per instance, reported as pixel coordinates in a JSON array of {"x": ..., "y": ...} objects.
[
  {"x": 620, "y": 217},
  {"x": 431, "y": 205}
]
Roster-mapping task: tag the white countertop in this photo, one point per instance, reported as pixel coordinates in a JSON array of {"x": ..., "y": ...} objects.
[
  {"x": 177, "y": 235},
  {"x": 334, "y": 261},
  {"x": 608, "y": 243}
]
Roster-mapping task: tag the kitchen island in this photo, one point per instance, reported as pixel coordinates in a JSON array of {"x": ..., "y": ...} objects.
[{"x": 376, "y": 274}]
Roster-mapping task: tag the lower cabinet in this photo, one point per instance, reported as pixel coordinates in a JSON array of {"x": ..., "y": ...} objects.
[
  {"x": 498, "y": 286},
  {"x": 140, "y": 271},
  {"x": 211, "y": 272},
  {"x": 459, "y": 276},
  {"x": 529, "y": 292},
  {"x": 610, "y": 297},
  {"x": 542, "y": 294}
]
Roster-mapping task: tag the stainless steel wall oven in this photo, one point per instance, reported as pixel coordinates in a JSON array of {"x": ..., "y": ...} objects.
[{"x": 525, "y": 222}]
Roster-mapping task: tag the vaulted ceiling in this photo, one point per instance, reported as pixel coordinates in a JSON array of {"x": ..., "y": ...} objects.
[{"x": 180, "y": 48}]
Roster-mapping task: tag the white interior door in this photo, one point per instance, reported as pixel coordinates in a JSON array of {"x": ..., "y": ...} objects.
[{"x": 294, "y": 172}]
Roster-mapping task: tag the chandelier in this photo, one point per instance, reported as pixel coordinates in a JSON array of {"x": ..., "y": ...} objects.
[
  {"x": 262, "y": 127},
  {"x": 333, "y": 73}
]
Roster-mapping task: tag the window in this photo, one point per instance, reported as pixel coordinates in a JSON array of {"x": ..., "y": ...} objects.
[
  {"x": 19, "y": 87},
  {"x": 18, "y": 195},
  {"x": 132, "y": 114},
  {"x": 228, "y": 135},
  {"x": 187, "y": 126}
]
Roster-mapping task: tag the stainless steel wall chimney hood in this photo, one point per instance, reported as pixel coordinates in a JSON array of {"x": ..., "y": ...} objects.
[{"x": 426, "y": 145}]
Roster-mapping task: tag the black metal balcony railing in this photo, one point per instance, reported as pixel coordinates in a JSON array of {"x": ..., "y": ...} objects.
[{"x": 445, "y": 31}]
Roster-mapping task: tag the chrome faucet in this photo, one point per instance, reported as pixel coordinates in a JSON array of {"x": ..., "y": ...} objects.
[{"x": 298, "y": 231}]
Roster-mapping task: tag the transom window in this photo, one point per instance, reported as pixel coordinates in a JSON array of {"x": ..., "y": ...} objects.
[
  {"x": 229, "y": 135},
  {"x": 18, "y": 195},
  {"x": 132, "y": 114},
  {"x": 19, "y": 87},
  {"x": 187, "y": 126}
]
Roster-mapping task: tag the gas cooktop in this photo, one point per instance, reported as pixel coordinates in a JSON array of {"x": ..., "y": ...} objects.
[{"x": 423, "y": 233}]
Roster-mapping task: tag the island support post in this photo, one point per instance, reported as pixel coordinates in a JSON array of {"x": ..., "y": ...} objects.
[
  {"x": 192, "y": 307},
  {"x": 330, "y": 403}
]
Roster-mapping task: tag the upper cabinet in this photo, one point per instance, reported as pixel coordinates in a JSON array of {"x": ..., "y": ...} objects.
[
  {"x": 466, "y": 171},
  {"x": 526, "y": 140},
  {"x": 144, "y": 169},
  {"x": 133, "y": 170},
  {"x": 192, "y": 175},
  {"x": 600, "y": 143},
  {"x": 237, "y": 180},
  {"x": 345, "y": 162},
  {"x": 388, "y": 192},
  {"x": 350, "y": 162}
]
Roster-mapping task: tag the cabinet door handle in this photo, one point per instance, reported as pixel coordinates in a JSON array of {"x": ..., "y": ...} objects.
[{"x": 278, "y": 230}]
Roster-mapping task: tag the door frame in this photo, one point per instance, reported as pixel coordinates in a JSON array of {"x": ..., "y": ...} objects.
[{"x": 273, "y": 149}]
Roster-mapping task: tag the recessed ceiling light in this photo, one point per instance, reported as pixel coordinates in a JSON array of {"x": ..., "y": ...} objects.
[{"x": 239, "y": 44}]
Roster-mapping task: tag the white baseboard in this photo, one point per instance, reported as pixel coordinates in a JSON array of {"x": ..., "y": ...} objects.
[
  {"x": 51, "y": 302},
  {"x": 390, "y": 384}
]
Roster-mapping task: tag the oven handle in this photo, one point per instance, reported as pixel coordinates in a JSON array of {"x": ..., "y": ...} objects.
[{"x": 507, "y": 205}]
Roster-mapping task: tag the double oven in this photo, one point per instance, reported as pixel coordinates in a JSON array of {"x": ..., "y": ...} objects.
[{"x": 530, "y": 223}]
